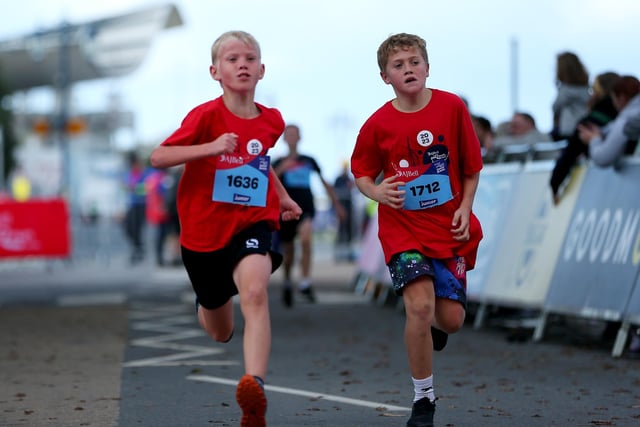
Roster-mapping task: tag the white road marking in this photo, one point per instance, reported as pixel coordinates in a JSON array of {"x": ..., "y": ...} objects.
[
  {"x": 167, "y": 322},
  {"x": 104, "y": 298},
  {"x": 297, "y": 392}
]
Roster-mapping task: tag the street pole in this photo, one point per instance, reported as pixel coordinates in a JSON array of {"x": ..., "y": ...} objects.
[
  {"x": 64, "y": 83},
  {"x": 514, "y": 74}
]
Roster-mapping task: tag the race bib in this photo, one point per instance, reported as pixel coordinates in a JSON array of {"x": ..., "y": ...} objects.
[
  {"x": 426, "y": 188},
  {"x": 241, "y": 183}
]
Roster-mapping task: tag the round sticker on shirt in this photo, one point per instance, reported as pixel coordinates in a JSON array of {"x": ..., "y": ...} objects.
[
  {"x": 425, "y": 138},
  {"x": 254, "y": 147}
]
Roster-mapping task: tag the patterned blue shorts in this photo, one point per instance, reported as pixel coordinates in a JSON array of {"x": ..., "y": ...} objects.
[{"x": 449, "y": 275}]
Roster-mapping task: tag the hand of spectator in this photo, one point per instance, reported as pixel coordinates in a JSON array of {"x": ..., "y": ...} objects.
[{"x": 587, "y": 132}]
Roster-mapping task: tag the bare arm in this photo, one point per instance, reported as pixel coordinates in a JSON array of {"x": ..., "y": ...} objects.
[
  {"x": 385, "y": 193},
  {"x": 460, "y": 222},
  {"x": 288, "y": 208},
  {"x": 165, "y": 156},
  {"x": 340, "y": 211}
]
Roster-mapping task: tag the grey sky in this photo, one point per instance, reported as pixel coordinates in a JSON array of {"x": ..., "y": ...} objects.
[{"x": 321, "y": 69}]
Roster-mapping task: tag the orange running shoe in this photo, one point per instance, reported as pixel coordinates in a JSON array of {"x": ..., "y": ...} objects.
[{"x": 252, "y": 401}]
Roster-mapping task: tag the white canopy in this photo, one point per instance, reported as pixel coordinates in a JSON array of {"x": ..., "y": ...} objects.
[{"x": 104, "y": 48}]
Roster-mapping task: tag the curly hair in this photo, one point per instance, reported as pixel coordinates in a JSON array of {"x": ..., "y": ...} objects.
[{"x": 397, "y": 42}]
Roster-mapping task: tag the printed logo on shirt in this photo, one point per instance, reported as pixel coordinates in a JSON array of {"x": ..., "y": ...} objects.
[
  {"x": 254, "y": 147},
  {"x": 425, "y": 138},
  {"x": 252, "y": 243},
  {"x": 461, "y": 266}
]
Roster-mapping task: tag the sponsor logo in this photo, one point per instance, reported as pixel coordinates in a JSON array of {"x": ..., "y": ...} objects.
[
  {"x": 251, "y": 243},
  {"x": 408, "y": 174},
  {"x": 234, "y": 160},
  {"x": 427, "y": 203},
  {"x": 241, "y": 198}
]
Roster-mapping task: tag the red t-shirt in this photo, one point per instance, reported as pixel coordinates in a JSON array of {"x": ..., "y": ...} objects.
[
  {"x": 205, "y": 224},
  {"x": 440, "y": 136}
]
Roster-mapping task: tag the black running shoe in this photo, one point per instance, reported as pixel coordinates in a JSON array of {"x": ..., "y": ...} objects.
[
  {"x": 308, "y": 294},
  {"x": 287, "y": 295},
  {"x": 439, "y": 338},
  {"x": 422, "y": 413}
]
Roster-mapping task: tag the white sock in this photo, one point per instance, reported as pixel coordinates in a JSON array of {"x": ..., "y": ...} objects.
[
  {"x": 423, "y": 388},
  {"x": 304, "y": 283}
]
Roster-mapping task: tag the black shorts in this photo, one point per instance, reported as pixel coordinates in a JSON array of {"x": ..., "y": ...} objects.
[
  {"x": 289, "y": 229},
  {"x": 211, "y": 273}
]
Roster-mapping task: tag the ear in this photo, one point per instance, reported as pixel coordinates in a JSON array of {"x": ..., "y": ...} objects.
[
  {"x": 427, "y": 69},
  {"x": 384, "y": 77},
  {"x": 213, "y": 71},
  {"x": 261, "y": 75}
]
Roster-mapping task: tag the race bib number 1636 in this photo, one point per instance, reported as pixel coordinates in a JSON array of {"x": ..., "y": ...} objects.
[{"x": 244, "y": 184}]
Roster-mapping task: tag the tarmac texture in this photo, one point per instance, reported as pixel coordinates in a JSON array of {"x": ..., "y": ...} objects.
[{"x": 113, "y": 346}]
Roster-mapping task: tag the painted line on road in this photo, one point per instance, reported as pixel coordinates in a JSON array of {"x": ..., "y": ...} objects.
[
  {"x": 82, "y": 299},
  {"x": 170, "y": 328},
  {"x": 297, "y": 392}
]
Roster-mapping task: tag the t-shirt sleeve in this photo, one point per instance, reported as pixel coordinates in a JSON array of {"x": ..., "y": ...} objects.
[
  {"x": 314, "y": 165},
  {"x": 366, "y": 159},
  {"x": 189, "y": 130}
]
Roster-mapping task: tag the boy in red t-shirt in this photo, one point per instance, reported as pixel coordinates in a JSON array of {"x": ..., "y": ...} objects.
[
  {"x": 424, "y": 145},
  {"x": 229, "y": 203}
]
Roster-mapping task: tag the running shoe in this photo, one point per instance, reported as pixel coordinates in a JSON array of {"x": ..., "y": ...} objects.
[
  {"x": 422, "y": 413},
  {"x": 308, "y": 294},
  {"x": 252, "y": 401},
  {"x": 439, "y": 338},
  {"x": 287, "y": 295}
]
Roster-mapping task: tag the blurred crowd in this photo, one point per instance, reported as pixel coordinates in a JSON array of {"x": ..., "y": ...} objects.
[{"x": 596, "y": 119}]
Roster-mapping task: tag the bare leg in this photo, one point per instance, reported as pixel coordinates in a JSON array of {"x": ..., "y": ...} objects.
[
  {"x": 252, "y": 278},
  {"x": 449, "y": 315},
  {"x": 288, "y": 255},
  {"x": 305, "y": 232},
  {"x": 419, "y": 302},
  {"x": 218, "y": 323}
]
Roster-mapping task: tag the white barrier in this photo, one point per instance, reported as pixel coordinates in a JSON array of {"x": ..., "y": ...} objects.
[{"x": 598, "y": 267}]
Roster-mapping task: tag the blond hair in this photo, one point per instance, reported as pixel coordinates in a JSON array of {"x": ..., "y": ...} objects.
[
  {"x": 243, "y": 36},
  {"x": 397, "y": 42}
]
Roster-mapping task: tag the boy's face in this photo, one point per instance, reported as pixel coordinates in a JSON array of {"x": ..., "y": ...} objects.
[
  {"x": 238, "y": 66},
  {"x": 406, "y": 71}
]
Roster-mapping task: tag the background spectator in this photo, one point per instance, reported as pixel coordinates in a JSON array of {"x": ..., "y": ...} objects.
[
  {"x": 570, "y": 105},
  {"x": 484, "y": 131},
  {"x": 521, "y": 129},
  {"x": 601, "y": 112},
  {"x": 134, "y": 219},
  {"x": 343, "y": 187},
  {"x": 608, "y": 144}
]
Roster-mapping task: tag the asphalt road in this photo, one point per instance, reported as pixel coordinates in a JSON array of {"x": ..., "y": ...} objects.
[{"x": 121, "y": 347}]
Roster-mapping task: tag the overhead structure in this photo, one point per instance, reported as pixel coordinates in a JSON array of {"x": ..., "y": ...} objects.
[{"x": 107, "y": 47}]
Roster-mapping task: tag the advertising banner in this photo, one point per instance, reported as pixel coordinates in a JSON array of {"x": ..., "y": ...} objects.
[
  {"x": 531, "y": 238},
  {"x": 598, "y": 264},
  {"x": 491, "y": 205},
  {"x": 34, "y": 228}
]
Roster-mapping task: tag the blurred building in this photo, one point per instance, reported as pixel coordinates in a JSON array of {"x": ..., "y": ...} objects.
[{"x": 74, "y": 154}]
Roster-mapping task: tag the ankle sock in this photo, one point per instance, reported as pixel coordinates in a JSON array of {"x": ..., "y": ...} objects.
[
  {"x": 304, "y": 284},
  {"x": 423, "y": 388}
]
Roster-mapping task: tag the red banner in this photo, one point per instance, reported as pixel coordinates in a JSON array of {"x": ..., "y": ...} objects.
[{"x": 35, "y": 227}]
